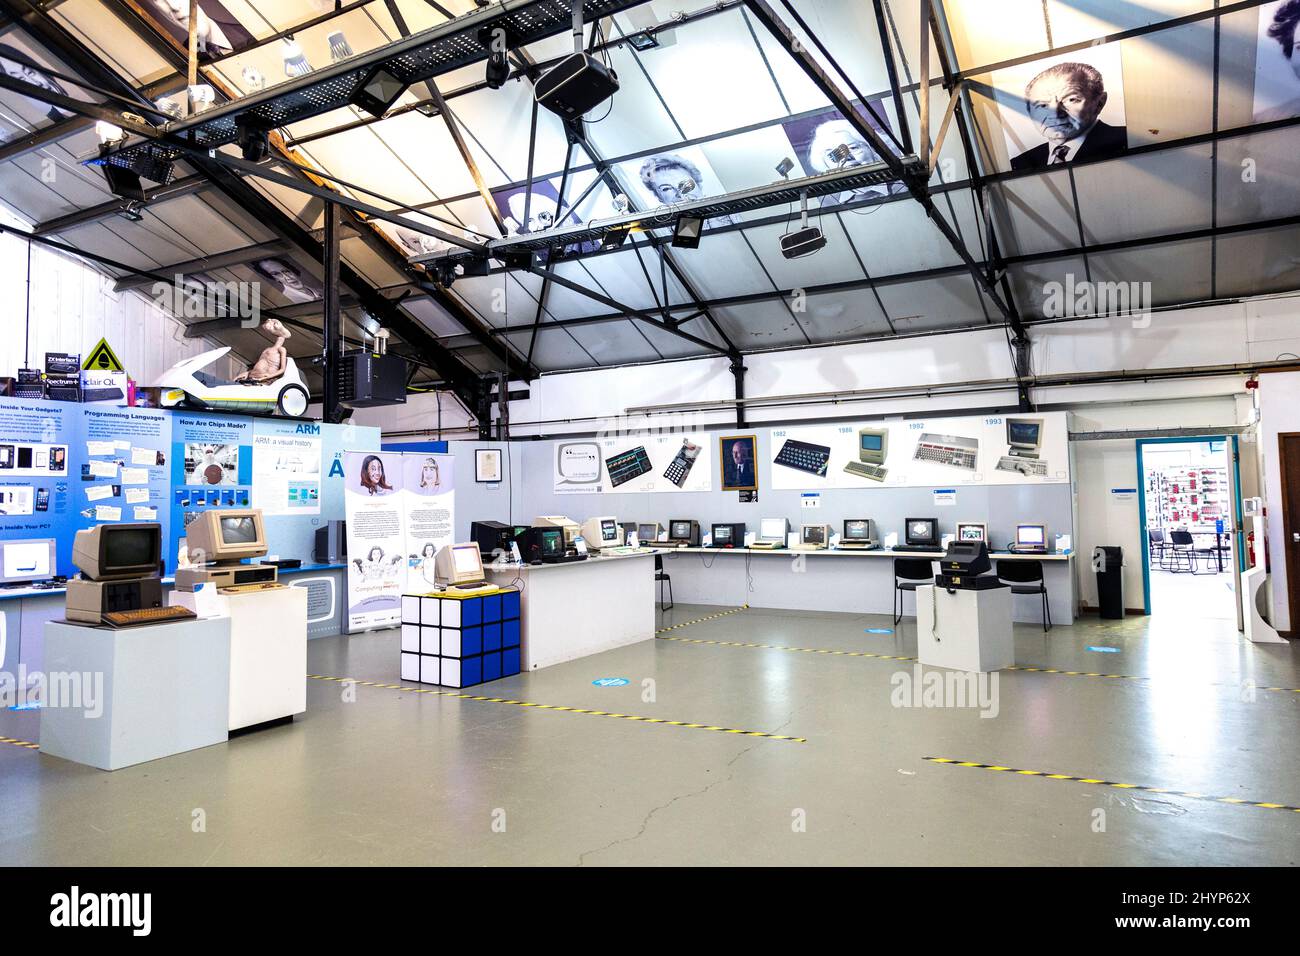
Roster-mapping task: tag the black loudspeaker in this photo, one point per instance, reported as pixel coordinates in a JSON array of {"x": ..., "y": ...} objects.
[
  {"x": 575, "y": 84},
  {"x": 802, "y": 242}
]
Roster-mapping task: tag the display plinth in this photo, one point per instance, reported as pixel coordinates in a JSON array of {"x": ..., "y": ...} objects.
[
  {"x": 965, "y": 630},
  {"x": 460, "y": 639},
  {"x": 573, "y": 610},
  {"x": 268, "y": 651},
  {"x": 165, "y": 690}
]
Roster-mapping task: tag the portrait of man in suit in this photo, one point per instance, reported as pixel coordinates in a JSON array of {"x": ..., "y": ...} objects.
[
  {"x": 738, "y": 458},
  {"x": 1065, "y": 102}
]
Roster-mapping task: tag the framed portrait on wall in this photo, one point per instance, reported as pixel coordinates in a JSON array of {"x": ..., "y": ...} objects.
[
  {"x": 738, "y": 458},
  {"x": 487, "y": 464}
]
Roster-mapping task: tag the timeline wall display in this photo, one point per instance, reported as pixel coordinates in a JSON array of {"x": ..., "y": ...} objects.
[
  {"x": 634, "y": 463},
  {"x": 286, "y": 467},
  {"x": 976, "y": 450},
  {"x": 36, "y": 501}
]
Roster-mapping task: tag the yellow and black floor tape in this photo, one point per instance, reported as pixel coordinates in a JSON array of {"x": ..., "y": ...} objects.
[
  {"x": 435, "y": 692},
  {"x": 1097, "y": 782},
  {"x": 793, "y": 650},
  {"x": 26, "y": 744},
  {"x": 701, "y": 620}
]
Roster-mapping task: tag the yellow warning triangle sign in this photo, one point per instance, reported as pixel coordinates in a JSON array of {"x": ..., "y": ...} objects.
[{"x": 102, "y": 358}]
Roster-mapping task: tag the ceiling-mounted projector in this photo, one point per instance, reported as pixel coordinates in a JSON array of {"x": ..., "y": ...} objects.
[
  {"x": 578, "y": 82},
  {"x": 806, "y": 239}
]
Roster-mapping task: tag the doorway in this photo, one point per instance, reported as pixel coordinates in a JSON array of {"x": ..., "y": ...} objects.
[{"x": 1189, "y": 515}]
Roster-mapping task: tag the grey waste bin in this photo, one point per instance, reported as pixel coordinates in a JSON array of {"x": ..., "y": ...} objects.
[{"x": 1108, "y": 562}]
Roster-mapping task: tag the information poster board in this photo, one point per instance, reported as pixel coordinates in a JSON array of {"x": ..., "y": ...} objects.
[
  {"x": 286, "y": 467},
  {"x": 634, "y": 463},
  {"x": 377, "y": 556},
  {"x": 36, "y": 485},
  {"x": 211, "y": 467},
  {"x": 125, "y": 477},
  {"x": 429, "y": 494}
]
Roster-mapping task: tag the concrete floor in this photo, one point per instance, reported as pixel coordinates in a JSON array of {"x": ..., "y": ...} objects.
[
  {"x": 402, "y": 778},
  {"x": 1186, "y": 595}
]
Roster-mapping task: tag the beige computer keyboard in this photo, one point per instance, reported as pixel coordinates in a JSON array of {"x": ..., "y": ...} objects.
[{"x": 256, "y": 586}]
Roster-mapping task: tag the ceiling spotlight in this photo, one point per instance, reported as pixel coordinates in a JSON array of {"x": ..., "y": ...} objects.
[
  {"x": 170, "y": 107},
  {"x": 686, "y": 232},
  {"x": 615, "y": 237},
  {"x": 444, "y": 272},
  {"x": 645, "y": 40},
  {"x": 784, "y": 166},
  {"x": 295, "y": 61},
  {"x": 497, "y": 44},
  {"x": 122, "y": 182},
  {"x": 109, "y": 135},
  {"x": 841, "y": 154},
  {"x": 621, "y": 203},
  {"x": 253, "y": 79},
  {"x": 686, "y": 187},
  {"x": 254, "y": 143},
  {"x": 132, "y": 210},
  {"x": 805, "y": 240},
  {"x": 201, "y": 97},
  {"x": 340, "y": 49},
  {"x": 378, "y": 91}
]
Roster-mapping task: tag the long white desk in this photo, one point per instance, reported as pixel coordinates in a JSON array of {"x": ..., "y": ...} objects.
[
  {"x": 857, "y": 581},
  {"x": 582, "y": 607}
]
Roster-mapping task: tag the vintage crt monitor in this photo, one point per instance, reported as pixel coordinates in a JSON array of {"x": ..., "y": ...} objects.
[
  {"x": 459, "y": 566},
  {"x": 965, "y": 566},
  {"x": 1024, "y": 437},
  {"x": 492, "y": 536},
  {"x": 922, "y": 534},
  {"x": 27, "y": 560},
  {"x": 222, "y": 538},
  {"x": 972, "y": 531},
  {"x": 545, "y": 546},
  {"x": 814, "y": 537},
  {"x": 729, "y": 535},
  {"x": 772, "y": 533},
  {"x": 331, "y": 542},
  {"x": 1030, "y": 538},
  {"x": 120, "y": 571},
  {"x": 684, "y": 532},
  {"x": 602, "y": 533},
  {"x": 859, "y": 534},
  {"x": 570, "y": 527},
  {"x": 648, "y": 531}
]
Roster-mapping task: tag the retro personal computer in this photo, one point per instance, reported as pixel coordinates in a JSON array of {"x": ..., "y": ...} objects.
[
  {"x": 121, "y": 577},
  {"x": 968, "y": 531},
  {"x": 921, "y": 534},
  {"x": 459, "y": 567},
  {"x": 331, "y": 542},
  {"x": 546, "y": 546},
  {"x": 873, "y": 449},
  {"x": 493, "y": 537},
  {"x": 222, "y": 539},
  {"x": 965, "y": 566},
  {"x": 682, "y": 533},
  {"x": 1030, "y": 539},
  {"x": 647, "y": 531},
  {"x": 570, "y": 527},
  {"x": 772, "y": 534},
  {"x": 728, "y": 535},
  {"x": 859, "y": 534},
  {"x": 602, "y": 533},
  {"x": 814, "y": 537}
]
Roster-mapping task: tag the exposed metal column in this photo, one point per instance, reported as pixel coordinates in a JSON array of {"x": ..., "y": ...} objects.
[{"x": 332, "y": 321}]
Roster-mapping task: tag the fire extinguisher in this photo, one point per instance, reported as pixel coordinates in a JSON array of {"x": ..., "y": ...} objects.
[{"x": 1250, "y": 548}]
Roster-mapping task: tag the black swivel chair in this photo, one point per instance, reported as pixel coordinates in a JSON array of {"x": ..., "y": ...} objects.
[
  {"x": 909, "y": 574},
  {"x": 1026, "y": 577},
  {"x": 662, "y": 577},
  {"x": 1182, "y": 549}
]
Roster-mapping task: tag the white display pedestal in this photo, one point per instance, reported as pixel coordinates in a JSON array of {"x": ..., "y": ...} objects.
[
  {"x": 268, "y": 650},
  {"x": 585, "y": 607},
  {"x": 165, "y": 691},
  {"x": 964, "y": 630},
  {"x": 1258, "y": 630}
]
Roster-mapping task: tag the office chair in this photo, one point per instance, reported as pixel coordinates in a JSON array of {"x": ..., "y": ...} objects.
[
  {"x": 1026, "y": 577},
  {"x": 1156, "y": 545},
  {"x": 909, "y": 574},
  {"x": 1182, "y": 546},
  {"x": 662, "y": 577}
]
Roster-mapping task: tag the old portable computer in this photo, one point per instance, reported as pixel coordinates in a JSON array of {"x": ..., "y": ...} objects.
[
  {"x": 602, "y": 533},
  {"x": 921, "y": 534},
  {"x": 1030, "y": 539},
  {"x": 972, "y": 531},
  {"x": 221, "y": 539},
  {"x": 682, "y": 533},
  {"x": 965, "y": 567},
  {"x": 729, "y": 535},
  {"x": 647, "y": 531},
  {"x": 772, "y": 534},
  {"x": 570, "y": 527},
  {"x": 859, "y": 534},
  {"x": 814, "y": 537},
  {"x": 460, "y": 567},
  {"x": 120, "y": 582},
  {"x": 873, "y": 449}
]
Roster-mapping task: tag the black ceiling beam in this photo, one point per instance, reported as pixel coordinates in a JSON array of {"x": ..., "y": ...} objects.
[
  {"x": 185, "y": 186},
  {"x": 219, "y": 260}
]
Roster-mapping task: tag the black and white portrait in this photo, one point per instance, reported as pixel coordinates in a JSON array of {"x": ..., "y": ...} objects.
[
  {"x": 414, "y": 243},
  {"x": 289, "y": 279},
  {"x": 523, "y": 214},
  {"x": 1277, "y": 62},
  {"x": 219, "y": 31},
  {"x": 668, "y": 179},
  {"x": 11, "y": 62},
  {"x": 1065, "y": 109},
  {"x": 826, "y": 141},
  {"x": 738, "y": 456}
]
